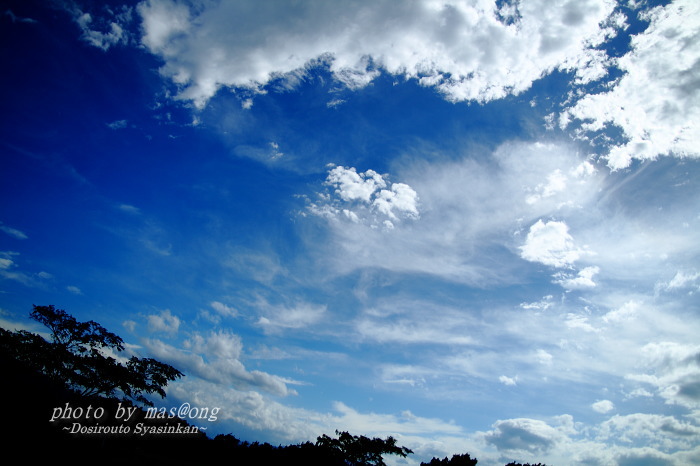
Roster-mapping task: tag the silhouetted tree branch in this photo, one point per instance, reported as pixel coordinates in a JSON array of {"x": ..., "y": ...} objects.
[
  {"x": 456, "y": 460},
  {"x": 361, "y": 450},
  {"x": 80, "y": 355}
]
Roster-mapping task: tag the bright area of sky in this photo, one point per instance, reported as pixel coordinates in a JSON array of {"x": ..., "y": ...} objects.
[{"x": 470, "y": 225}]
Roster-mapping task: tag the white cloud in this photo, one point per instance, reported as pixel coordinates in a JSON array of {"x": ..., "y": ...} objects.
[
  {"x": 469, "y": 51},
  {"x": 673, "y": 369},
  {"x": 656, "y": 103},
  {"x": 129, "y": 209},
  {"x": 574, "y": 321},
  {"x": 541, "y": 305},
  {"x": 471, "y": 214},
  {"x": 276, "y": 153},
  {"x": 74, "y": 289},
  {"x": 543, "y": 357},
  {"x": 361, "y": 198},
  {"x": 220, "y": 344},
  {"x": 130, "y": 325},
  {"x": 388, "y": 424},
  {"x": 262, "y": 265},
  {"x": 107, "y": 32},
  {"x": 297, "y": 315},
  {"x": 551, "y": 244},
  {"x": 291, "y": 424},
  {"x": 163, "y": 322},
  {"x": 603, "y": 406},
  {"x": 583, "y": 280},
  {"x": 118, "y": 124},
  {"x": 524, "y": 434},
  {"x": 622, "y": 440},
  {"x": 684, "y": 280},
  {"x": 400, "y": 331},
  {"x": 511, "y": 381},
  {"x": 19, "y": 19},
  {"x": 625, "y": 312},
  {"x": 653, "y": 430},
  {"x": 13, "y": 232},
  {"x": 401, "y": 198},
  {"x": 352, "y": 186},
  {"x": 223, "y": 309},
  {"x": 556, "y": 182},
  {"x": 8, "y": 265},
  {"x": 215, "y": 358}
]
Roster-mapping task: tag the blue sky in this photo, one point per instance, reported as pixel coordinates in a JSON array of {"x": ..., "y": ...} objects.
[{"x": 472, "y": 226}]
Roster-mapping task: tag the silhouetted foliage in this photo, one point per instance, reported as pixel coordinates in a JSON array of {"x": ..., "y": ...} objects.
[
  {"x": 526, "y": 464},
  {"x": 361, "y": 450},
  {"x": 456, "y": 460},
  {"x": 80, "y": 356}
]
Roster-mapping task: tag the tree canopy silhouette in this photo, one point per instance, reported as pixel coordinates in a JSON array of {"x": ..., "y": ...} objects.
[
  {"x": 361, "y": 450},
  {"x": 456, "y": 460},
  {"x": 83, "y": 355}
]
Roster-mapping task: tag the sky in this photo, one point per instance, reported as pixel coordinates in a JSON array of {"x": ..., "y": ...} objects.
[{"x": 470, "y": 225}]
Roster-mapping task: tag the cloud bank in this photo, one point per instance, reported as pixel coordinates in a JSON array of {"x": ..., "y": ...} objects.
[{"x": 468, "y": 50}]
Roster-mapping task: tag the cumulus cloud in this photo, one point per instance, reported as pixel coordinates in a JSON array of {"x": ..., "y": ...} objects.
[
  {"x": 401, "y": 198},
  {"x": 523, "y": 434},
  {"x": 652, "y": 430},
  {"x": 163, "y": 322},
  {"x": 352, "y": 186},
  {"x": 365, "y": 197},
  {"x": 551, "y": 244},
  {"x": 656, "y": 103},
  {"x": 603, "y": 406},
  {"x": 469, "y": 51},
  {"x": 673, "y": 369}
]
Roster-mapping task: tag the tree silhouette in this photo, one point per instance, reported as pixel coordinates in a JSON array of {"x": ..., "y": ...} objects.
[
  {"x": 456, "y": 460},
  {"x": 513, "y": 463},
  {"x": 361, "y": 450},
  {"x": 82, "y": 355}
]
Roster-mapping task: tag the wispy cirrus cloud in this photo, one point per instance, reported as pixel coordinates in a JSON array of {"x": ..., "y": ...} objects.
[
  {"x": 467, "y": 214},
  {"x": 13, "y": 232}
]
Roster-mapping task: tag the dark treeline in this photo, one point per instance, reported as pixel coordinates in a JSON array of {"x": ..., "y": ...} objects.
[{"x": 66, "y": 399}]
